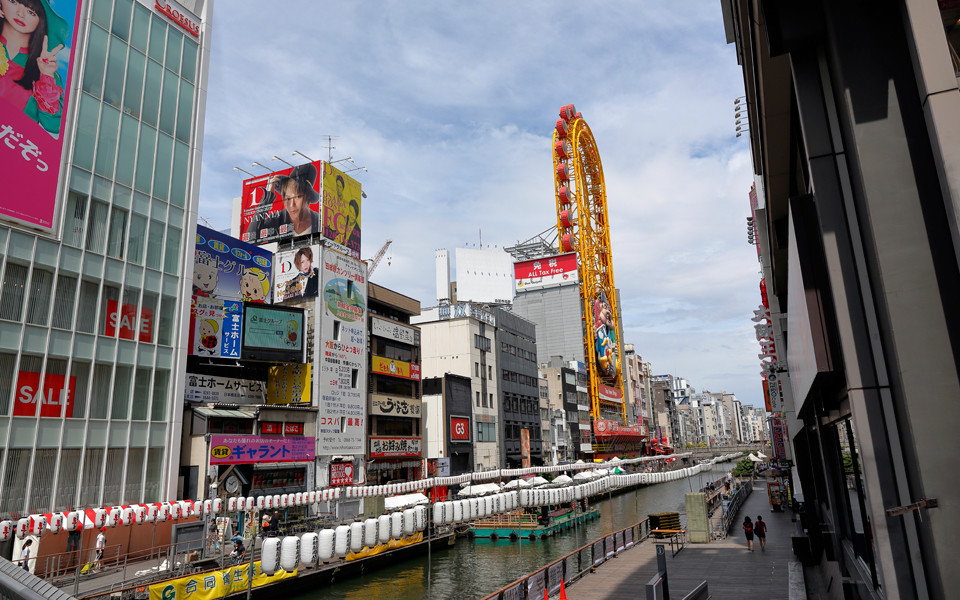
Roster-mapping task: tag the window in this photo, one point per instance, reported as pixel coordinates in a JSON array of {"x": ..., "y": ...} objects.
[
  {"x": 141, "y": 395},
  {"x": 171, "y": 261},
  {"x": 476, "y": 369},
  {"x": 489, "y": 372},
  {"x": 81, "y": 371},
  {"x": 41, "y": 285},
  {"x": 110, "y": 298},
  {"x": 97, "y": 231},
  {"x": 478, "y": 399},
  {"x": 138, "y": 226},
  {"x": 491, "y": 400},
  {"x": 7, "y": 361},
  {"x": 484, "y": 400},
  {"x": 506, "y": 375},
  {"x": 158, "y": 408},
  {"x": 87, "y": 307},
  {"x": 486, "y": 432},
  {"x": 11, "y": 296},
  {"x": 165, "y": 322},
  {"x": 118, "y": 231},
  {"x": 63, "y": 303},
  {"x": 101, "y": 391}
]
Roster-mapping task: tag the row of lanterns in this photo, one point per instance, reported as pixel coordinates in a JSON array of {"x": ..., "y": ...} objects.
[{"x": 563, "y": 159}]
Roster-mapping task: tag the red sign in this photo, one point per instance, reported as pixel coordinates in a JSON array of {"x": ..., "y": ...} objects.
[
  {"x": 341, "y": 473},
  {"x": 54, "y": 397},
  {"x": 610, "y": 394},
  {"x": 269, "y": 428},
  {"x": 125, "y": 319},
  {"x": 608, "y": 429},
  {"x": 459, "y": 428},
  {"x": 263, "y": 215},
  {"x": 293, "y": 428},
  {"x": 542, "y": 272},
  {"x": 178, "y": 17}
]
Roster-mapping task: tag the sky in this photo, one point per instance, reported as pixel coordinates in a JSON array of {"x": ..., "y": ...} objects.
[{"x": 450, "y": 107}]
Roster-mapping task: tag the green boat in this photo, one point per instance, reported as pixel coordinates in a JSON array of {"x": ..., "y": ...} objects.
[{"x": 530, "y": 525}]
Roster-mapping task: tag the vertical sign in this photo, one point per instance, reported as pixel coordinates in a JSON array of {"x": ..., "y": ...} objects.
[
  {"x": 341, "y": 208},
  {"x": 35, "y": 73},
  {"x": 340, "y": 363},
  {"x": 524, "y": 447}
]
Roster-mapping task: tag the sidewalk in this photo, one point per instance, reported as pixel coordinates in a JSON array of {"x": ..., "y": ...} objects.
[{"x": 731, "y": 571}]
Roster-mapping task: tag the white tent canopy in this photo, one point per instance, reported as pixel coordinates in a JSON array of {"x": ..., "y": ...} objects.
[
  {"x": 404, "y": 501},
  {"x": 754, "y": 458},
  {"x": 518, "y": 484},
  {"x": 479, "y": 489},
  {"x": 538, "y": 481},
  {"x": 562, "y": 480}
]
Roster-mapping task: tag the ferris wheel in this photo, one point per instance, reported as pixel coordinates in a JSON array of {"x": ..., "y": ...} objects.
[{"x": 583, "y": 227}]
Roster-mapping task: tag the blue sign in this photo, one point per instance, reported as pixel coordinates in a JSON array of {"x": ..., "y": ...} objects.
[{"x": 225, "y": 267}]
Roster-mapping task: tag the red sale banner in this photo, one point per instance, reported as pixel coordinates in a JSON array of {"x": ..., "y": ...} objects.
[
  {"x": 124, "y": 318},
  {"x": 55, "y": 397}
]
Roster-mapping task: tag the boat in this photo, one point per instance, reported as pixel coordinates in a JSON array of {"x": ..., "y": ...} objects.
[{"x": 533, "y": 525}]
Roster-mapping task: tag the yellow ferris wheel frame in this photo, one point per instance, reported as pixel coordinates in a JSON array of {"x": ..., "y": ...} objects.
[{"x": 583, "y": 227}]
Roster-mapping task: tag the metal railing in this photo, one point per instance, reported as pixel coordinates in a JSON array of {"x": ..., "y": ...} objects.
[{"x": 722, "y": 528}]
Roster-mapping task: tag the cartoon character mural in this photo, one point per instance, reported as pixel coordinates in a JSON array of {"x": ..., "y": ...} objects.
[
  {"x": 255, "y": 286},
  {"x": 607, "y": 354},
  {"x": 207, "y": 341},
  {"x": 205, "y": 278}
]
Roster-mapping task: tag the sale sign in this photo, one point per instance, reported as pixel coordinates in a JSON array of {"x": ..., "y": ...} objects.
[
  {"x": 460, "y": 429},
  {"x": 122, "y": 322},
  {"x": 55, "y": 396}
]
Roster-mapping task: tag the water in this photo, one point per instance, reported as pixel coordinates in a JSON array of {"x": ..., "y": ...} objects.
[{"x": 477, "y": 568}]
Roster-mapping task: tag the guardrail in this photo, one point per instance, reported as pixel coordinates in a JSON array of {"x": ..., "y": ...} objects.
[
  {"x": 574, "y": 565},
  {"x": 736, "y": 501}
]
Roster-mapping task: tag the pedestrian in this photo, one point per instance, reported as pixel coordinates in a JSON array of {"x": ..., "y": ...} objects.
[
  {"x": 101, "y": 545},
  {"x": 760, "y": 528},
  {"x": 748, "y": 530},
  {"x": 275, "y": 523},
  {"x": 24, "y": 561}
]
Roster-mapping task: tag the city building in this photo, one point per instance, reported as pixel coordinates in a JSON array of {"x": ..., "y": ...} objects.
[
  {"x": 521, "y": 440},
  {"x": 96, "y": 259},
  {"x": 448, "y": 431},
  {"x": 854, "y": 117}
]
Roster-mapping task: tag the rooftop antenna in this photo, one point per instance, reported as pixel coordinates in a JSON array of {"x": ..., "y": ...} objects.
[{"x": 330, "y": 146}]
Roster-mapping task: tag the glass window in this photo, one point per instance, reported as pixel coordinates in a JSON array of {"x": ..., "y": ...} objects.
[
  {"x": 165, "y": 322},
  {"x": 174, "y": 40},
  {"x": 155, "y": 245},
  {"x": 96, "y": 57},
  {"x": 101, "y": 12},
  {"x": 87, "y": 306},
  {"x": 121, "y": 393},
  {"x": 168, "y": 102},
  {"x": 11, "y": 296},
  {"x": 158, "y": 31},
  {"x": 100, "y": 394},
  {"x": 141, "y": 395},
  {"x": 133, "y": 481},
  {"x": 171, "y": 262},
  {"x": 118, "y": 232},
  {"x": 126, "y": 157},
  {"x": 178, "y": 187},
  {"x": 136, "y": 65},
  {"x": 68, "y": 478},
  {"x": 114, "y": 468},
  {"x": 150, "y": 302},
  {"x": 92, "y": 476},
  {"x": 161, "y": 174},
  {"x": 73, "y": 227},
  {"x": 189, "y": 69},
  {"x": 38, "y": 307},
  {"x": 478, "y": 399},
  {"x": 83, "y": 146},
  {"x": 63, "y": 301},
  {"x": 121, "y": 19},
  {"x": 97, "y": 232},
  {"x": 7, "y": 361},
  {"x": 186, "y": 111},
  {"x": 138, "y": 235},
  {"x": 158, "y": 410},
  {"x": 81, "y": 372},
  {"x": 148, "y": 141},
  {"x": 151, "y": 92},
  {"x": 141, "y": 26},
  {"x": 12, "y": 494},
  {"x": 108, "y": 299},
  {"x": 116, "y": 67},
  {"x": 107, "y": 141}
]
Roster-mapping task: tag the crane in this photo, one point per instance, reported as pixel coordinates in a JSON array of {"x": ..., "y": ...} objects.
[{"x": 373, "y": 262}]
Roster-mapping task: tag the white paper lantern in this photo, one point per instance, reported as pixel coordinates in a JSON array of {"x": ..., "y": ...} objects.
[
  {"x": 383, "y": 528},
  {"x": 139, "y": 514},
  {"x": 341, "y": 541},
  {"x": 370, "y": 533},
  {"x": 290, "y": 553},
  {"x": 356, "y": 537},
  {"x": 6, "y": 530},
  {"x": 420, "y": 517},
  {"x": 163, "y": 513},
  {"x": 268, "y": 502},
  {"x": 72, "y": 521},
  {"x": 325, "y": 544},
  {"x": 56, "y": 523},
  {"x": 232, "y": 504},
  {"x": 311, "y": 497},
  {"x": 396, "y": 525},
  {"x": 113, "y": 515},
  {"x": 438, "y": 516},
  {"x": 126, "y": 516},
  {"x": 23, "y": 528},
  {"x": 283, "y": 501},
  {"x": 270, "y": 556},
  {"x": 458, "y": 511},
  {"x": 409, "y": 523},
  {"x": 261, "y": 502},
  {"x": 216, "y": 505},
  {"x": 249, "y": 504},
  {"x": 207, "y": 507},
  {"x": 276, "y": 500},
  {"x": 309, "y": 548}
]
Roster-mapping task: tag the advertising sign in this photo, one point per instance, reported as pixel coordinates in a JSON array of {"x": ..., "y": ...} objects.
[
  {"x": 386, "y": 447},
  {"x": 295, "y": 275},
  {"x": 224, "y": 267},
  {"x": 341, "y": 209},
  {"x": 34, "y": 108},
  {"x": 395, "y": 368},
  {"x": 272, "y": 333},
  {"x": 55, "y": 397},
  {"x": 226, "y": 390},
  {"x": 394, "y": 331},
  {"x": 122, "y": 322},
  {"x": 524, "y": 448},
  {"x": 341, "y": 364},
  {"x": 282, "y": 204},
  {"x": 610, "y": 394},
  {"x": 210, "y": 585},
  {"x": 249, "y": 449},
  {"x": 779, "y": 437},
  {"x": 216, "y": 327},
  {"x": 546, "y": 272},
  {"x": 289, "y": 384},
  {"x": 341, "y": 473},
  {"x": 460, "y": 429},
  {"x": 607, "y": 428},
  {"x": 395, "y": 407}
]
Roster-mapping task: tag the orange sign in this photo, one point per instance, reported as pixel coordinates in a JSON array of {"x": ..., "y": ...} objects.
[{"x": 525, "y": 448}]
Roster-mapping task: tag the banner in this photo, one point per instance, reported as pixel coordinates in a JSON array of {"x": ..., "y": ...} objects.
[
  {"x": 54, "y": 397},
  {"x": 210, "y": 585},
  {"x": 295, "y": 276},
  {"x": 544, "y": 272},
  {"x": 395, "y": 407},
  {"x": 395, "y": 368},
  {"x": 215, "y": 327},
  {"x": 341, "y": 209},
  {"x": 34, "y": 109},
  {"x": 123, "y": 318},
  {"x": 384, "y": 447},
  {"x": 606, "y": 348},
  {"x": 394, "y": 331},
  {"x": 282, "y": 204},
  {"x": 224, "y": 267},
  {"x": 225, "y": 390},
  {"x": 608, "y": 428},
  {"x": 289, "y": 384},
  {"x": 249, "y": 449}
]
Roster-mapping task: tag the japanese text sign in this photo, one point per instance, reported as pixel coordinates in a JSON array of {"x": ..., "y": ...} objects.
[
  {"x": 224, "y": 267},
  {"x": 226, "y": 390},
  {"x": 249, "y": 449},
  {"x": 384, "y": 447}
]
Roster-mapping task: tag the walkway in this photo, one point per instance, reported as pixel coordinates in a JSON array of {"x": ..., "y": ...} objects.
[{"x": 731, "y": 571}]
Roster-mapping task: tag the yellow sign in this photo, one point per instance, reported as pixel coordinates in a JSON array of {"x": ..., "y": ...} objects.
[
  {"x": 396, "y": 368},
  {"x": 214, "y": 584},
  {"x": 289, "y": 384}
]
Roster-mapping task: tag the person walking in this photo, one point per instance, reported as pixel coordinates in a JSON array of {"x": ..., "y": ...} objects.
[
  {"x": 24, "y": 561},
  {"x": 760, "y": 528},
  {"x": 101, "y": 545},
  {"x": 748, "y": 530},
  {"x": 275, "y": 523}
]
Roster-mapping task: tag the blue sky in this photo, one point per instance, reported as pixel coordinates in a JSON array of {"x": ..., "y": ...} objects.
[{"x": 451, "y": 105}]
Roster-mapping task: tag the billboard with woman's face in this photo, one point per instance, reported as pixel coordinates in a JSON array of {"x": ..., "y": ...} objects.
[
  {"x": 36, "y": 61},
  {"x": 341, "y": 208}
]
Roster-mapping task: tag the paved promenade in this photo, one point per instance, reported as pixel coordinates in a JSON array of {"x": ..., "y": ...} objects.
[{"x": 731, "y": 571}]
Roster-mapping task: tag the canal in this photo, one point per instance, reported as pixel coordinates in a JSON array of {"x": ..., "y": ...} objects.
[{"x": 474, "y": 568}]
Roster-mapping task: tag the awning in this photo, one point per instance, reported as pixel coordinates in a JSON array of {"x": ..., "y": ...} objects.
[
  {"x": 404, "y": 501},
  {"x": 231, "y": 413}
]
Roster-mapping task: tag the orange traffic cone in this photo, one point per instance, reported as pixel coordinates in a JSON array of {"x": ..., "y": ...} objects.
[
  {"x": 563, "y": 591},
  {"x": 546, "y": 596}
]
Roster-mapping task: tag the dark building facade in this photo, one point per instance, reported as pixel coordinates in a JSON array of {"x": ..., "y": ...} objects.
[
  {"x": 451, "y": 400},
  {"x": 519, "y": 392}
]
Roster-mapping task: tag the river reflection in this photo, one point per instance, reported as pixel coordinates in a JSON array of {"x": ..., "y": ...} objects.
[{"x": 476, "y": 568}]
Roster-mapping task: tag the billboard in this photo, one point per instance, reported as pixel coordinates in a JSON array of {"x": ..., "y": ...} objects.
[
  {"x": 288, "y": 384},
  {"x": 282, "y": 204},
  {"x": 546, "y": 272},
  {"x": 224, "y": 267},
  {"x": 341, "y": 329},
  {"x": 215, "y": 327},
  {"x": 395, "y": 407},
  {"x": 222, "y": 390},
  {"x": 606, "y": 349},
  {"x": 35, "y": 74},
  {"x": 395, "y": 331},
  {"x": 395, "y": 368},
  {"x": 460, "y": 429},
  {"x": 341, "y": 208},
  {"x": 272, "y": 333},
  {"x": 484, "y": 275},
  {"x": 389, "y": 447},
  {"x": 295, "y": 275},
  {"x": 249, "y": 449},
  {"x": 55, "y": 396},
  {"x": 341, "y": 473}
]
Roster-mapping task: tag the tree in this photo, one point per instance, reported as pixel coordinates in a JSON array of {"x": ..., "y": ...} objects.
[{"x": 743, "y": 468}]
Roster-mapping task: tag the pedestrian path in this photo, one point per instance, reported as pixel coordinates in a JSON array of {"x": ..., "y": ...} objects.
[{"x": 731, "y": 571}]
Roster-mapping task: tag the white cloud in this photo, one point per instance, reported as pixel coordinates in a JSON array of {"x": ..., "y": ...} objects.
[{"x": 451, "y": 107}]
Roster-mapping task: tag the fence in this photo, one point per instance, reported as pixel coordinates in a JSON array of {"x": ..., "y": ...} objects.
[{"x": 739, "y": 496}]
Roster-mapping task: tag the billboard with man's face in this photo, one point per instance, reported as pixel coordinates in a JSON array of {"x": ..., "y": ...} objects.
[
  {"x": 282, "y": 204},
  {"x": 36, "y": 61},
  {"x": 341, "y": 209}
]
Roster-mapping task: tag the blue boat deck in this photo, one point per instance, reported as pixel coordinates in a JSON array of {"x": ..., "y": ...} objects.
[{"x": 516, "y": 525}]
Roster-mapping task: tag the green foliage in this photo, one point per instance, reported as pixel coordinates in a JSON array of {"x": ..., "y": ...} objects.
[
  {"x": 743, "y": 468},
  {"x": 847, "y": 463},
  {"x": 702, "y": 445}
]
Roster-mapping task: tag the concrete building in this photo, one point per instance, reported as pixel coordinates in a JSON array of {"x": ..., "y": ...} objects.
[
  {"x": 521, "y": 440},
  {"x": 95, "y": 267},
  {"x": 448, "y": 430},
  {"x": 854, "y": 117}
]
